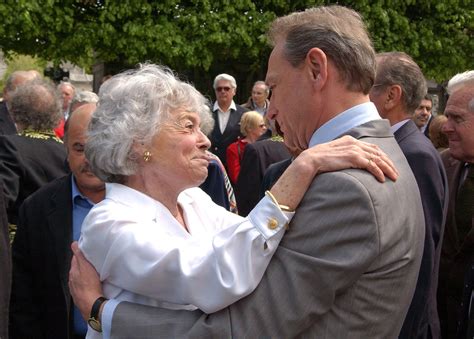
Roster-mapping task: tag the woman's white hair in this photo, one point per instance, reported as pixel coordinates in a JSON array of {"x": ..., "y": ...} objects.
[{"x": 132, "y": 106}]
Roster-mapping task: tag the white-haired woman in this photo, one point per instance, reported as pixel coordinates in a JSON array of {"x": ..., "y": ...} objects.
[{"x": 157, "y": 239}]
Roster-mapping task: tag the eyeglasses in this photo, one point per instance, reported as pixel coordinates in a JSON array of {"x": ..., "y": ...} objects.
[{"x": 220, "y": 89}]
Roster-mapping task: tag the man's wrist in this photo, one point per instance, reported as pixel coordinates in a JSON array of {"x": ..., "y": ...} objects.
[{"x": 94, "y": 320}]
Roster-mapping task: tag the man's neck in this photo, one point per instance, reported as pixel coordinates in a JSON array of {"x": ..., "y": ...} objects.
[{"x": 224, "y": 107}]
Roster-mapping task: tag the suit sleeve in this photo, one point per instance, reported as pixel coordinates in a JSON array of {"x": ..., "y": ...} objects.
[
  {"x": 248, "y": 184},
  {"x": 24, "y": 310},
  {"x": 10, "y": 171},
  {"x": 332, "y": 240}
]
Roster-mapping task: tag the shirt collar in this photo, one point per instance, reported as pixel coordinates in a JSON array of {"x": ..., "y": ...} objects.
[
  {"x": 353, "y": 117},
  {"x": 149, "y": 207},
  {"x": 231, "y": 107},
  {"x": 398, "y": 125},
  {"x": 76, "y": 193}
]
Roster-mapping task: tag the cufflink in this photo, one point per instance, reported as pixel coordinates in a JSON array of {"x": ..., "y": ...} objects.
[{"x": 272, "y": 223}]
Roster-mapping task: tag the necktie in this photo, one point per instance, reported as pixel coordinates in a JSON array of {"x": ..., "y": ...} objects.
[{"x": 465, "y": 205}]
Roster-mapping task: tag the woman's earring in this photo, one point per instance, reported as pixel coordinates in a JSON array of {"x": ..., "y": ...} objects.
[{"x": 146, "y": 156}]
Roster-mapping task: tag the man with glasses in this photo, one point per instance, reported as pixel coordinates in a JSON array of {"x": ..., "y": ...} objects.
[{"x": 226, "y": 115}]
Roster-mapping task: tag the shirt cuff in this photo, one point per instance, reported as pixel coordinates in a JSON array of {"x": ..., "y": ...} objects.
[
  {"x": 268, "y": 218},
  {"x": 106, "y": 317}
]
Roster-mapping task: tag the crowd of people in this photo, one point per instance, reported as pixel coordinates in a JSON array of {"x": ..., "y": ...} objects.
[{"x": 331, "y": 204}]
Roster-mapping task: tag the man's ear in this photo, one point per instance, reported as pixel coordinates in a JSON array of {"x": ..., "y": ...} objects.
[
  {"x": 394, "y": 96},
  {"x": 317, "y": 65}
]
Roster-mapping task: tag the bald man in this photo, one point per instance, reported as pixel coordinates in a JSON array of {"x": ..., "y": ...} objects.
[{"x": 49, "y": 220}]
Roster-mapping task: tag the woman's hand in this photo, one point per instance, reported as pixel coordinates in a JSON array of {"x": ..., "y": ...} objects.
[
  {"x": 345, "y": 152},
  {"x": 84, "y": 282}
]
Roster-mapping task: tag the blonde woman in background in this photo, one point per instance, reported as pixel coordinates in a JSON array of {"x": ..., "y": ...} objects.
[{"x": 252, "y": 126}]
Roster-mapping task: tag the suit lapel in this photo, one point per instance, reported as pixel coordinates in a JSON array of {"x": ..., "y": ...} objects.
[
  {"x": 60, "y": 225},
  {"x": 232, "y": 120},
  {"x": 405, "y": 131}
]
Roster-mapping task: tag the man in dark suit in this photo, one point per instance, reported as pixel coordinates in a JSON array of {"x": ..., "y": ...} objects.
[
  {"x": 35, "y": 156},
  {"x": 226, "y": 114},
  {"x": 49, "y": 221},
  {"x": 7, "y": 125},
  {"x": 458, "y": 244},
  {"x": 399, "y": 88},
  {"x": 347, "y": 267},
  {"x": 5, "y": 268},
  {"x": 257, "y": 158},
  {"x": 422, "y": 116}
]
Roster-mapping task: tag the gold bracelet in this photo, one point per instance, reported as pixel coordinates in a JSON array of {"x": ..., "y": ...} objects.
[{"x": 283, "y": 208}]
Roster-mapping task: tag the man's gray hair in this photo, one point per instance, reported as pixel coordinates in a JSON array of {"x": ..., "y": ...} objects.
[
  {"x": 339, "y": 32},
  {"x": 260, "y": 82},
  {"x": 398, "y": 68},
  {"x": 227, "y": 77},
  {"x": 20, "y": 77},
  {"x": 36, "y": 106},
  {"x": 66, "y": 83},
  {"x": 459, "y": 80},
  {"x": 132, "y": 107},
  {"x": 84, "y": 97}
]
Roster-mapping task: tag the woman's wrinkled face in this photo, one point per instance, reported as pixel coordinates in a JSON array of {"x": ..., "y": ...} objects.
[{"x": 179, "y": 151}]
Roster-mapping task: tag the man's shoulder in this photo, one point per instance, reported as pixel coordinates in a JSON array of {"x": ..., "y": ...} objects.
[
  {"x": 58, "y": 188},
  {"x": 240, "y": 109}
]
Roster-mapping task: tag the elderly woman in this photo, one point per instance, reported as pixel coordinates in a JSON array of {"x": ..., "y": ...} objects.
[
  {"x": 252, "y": 126},
  {"x": 156, "y": 238}
]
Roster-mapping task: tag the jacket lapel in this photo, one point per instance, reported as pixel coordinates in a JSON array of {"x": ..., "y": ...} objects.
[{"x": 60, "y": 225}]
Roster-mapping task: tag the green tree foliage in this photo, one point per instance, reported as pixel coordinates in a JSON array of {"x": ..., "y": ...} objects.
[{"x": 208, "y": 35}]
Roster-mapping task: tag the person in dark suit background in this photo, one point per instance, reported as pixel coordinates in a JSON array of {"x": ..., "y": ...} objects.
[
  {"x": 16, "y": 79},
  {"x": 35, "y": 156},
  {"x": 49, "y": 221},
  {"x": 399, "y": 88},
  {"x": 226, "y": 114},
  {"x": 257, "y": 158},
  {"x": 458, "y": 242},
  {"x": 5, "y": 267},
  {"x": 422, "y": 116}
]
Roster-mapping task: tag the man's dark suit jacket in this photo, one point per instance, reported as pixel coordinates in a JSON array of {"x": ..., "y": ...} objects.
[
  {"x": 456, "y": 256},
  {"x": 214, "y": 185},
  {"x": 257, "y": 157},
  {"x": 466, "y": 319},
  {"x": 28, "y": 162},
  {"x": 422, "y": 319},
  {"x": 220, "y": 141},
  {"x": 5, "y": 268},
  {"x": 7, "y": 126},
  {"x": 273, "y": 173},
  {"x": 40, "y": 305}
]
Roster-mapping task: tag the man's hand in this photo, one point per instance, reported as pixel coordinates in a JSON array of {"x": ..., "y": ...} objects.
[{"x": 84, "y": 282}]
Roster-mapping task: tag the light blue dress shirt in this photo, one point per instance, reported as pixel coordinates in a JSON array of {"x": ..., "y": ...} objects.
[
  {"x": 353, "y": 117},
  {"x": 81, "y": 205}
]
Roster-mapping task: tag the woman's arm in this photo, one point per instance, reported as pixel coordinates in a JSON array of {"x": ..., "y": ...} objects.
[
  {"x": 209, "y": 271},
  {"x": 345, "y": 152}
]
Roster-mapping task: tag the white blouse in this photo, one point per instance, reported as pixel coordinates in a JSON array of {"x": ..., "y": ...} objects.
[{"x": 144, "y": 255}]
